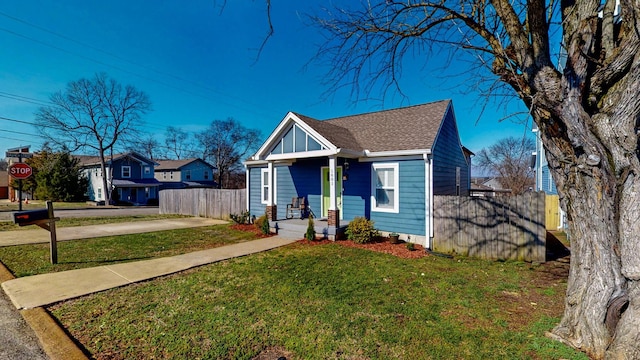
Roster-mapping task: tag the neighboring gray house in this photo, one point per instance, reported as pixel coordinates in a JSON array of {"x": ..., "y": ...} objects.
[
  {"x": 129, "y": 175},
  {"x": 385, "y": 166},
  {"x": 187, "y": 173}
]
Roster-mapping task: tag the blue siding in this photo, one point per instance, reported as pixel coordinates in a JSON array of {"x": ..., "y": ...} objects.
[
  {"x": 356, "y": 191},
  {"x": 548, "y": 185},
  {"x": 411, "y": 216},
  {"x": 300, "y": 179},
  {"x": 197, "y": 169},
  {"x": 447, "y": 156},
  {"x": 256, "y": 208}
]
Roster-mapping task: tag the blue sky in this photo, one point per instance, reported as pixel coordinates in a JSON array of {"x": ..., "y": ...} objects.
[{"x": 198, "y": 62}]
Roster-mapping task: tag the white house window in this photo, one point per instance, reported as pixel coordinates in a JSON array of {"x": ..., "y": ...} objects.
[
  {"x": 126, "y": 171},
  {"x": 99, "y": 194},
  {"x": 264, "y": 185},
  {"x": 164, "y": 175},
  {"x": 171, "y": 175},
  {"x": 385, "y": 188}
]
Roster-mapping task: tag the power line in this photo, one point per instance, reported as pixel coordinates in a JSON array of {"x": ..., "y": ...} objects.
[
  {"x": 23, "y": 98},
  {"x": 217, "y": 92}
]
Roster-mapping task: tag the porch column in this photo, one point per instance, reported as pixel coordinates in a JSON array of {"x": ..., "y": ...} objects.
[
  {"x": 272, "y": 209},
  {"x": 333, "y": 216}
]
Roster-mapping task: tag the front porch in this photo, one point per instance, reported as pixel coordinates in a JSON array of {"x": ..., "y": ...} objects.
[{"x": 297, "y": 228}]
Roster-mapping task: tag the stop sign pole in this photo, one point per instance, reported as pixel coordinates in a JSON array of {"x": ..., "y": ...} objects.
[{"x": 20, "y": 176}]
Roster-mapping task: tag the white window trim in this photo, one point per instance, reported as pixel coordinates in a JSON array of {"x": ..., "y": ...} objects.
[
  {"x": 396, "y": 188},
  {"x": 128, "y": 168},
  {"x": 275, "y": 193}
]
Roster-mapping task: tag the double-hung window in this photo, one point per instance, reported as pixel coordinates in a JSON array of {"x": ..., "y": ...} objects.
[
  {"x": 385, "y": 188},
  {"x": 265, "y": 186},
  {"x": 126, "y": 171}
]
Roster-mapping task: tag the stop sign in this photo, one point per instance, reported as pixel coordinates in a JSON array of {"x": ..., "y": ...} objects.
[{"x": 20, "y": 171}]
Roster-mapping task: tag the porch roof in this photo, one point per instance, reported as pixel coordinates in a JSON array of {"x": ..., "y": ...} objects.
[{"x": 135, "y": 182}]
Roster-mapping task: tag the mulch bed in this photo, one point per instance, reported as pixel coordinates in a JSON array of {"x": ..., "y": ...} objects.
[
  {"x": 383, "y": 246},
  {"x": 250, "y": 228},
  {"x": 400, "y": 250}
]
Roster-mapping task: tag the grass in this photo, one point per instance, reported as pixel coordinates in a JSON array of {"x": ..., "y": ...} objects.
[
  {"x": 39, "y": 204},
  {"x": 328, "y": 301},
  {"x": 25, "y": 260},
  {"x": 68, "y": 222}
]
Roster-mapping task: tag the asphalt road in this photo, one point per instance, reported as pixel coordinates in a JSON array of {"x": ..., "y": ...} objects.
[{"x": 17, "y": 339}]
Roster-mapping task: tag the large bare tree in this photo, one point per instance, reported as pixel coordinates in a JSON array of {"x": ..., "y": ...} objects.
[
  {"x": 510, "y": 160},
  {"x": 92, "y": 114},
  {"x": 587, "y": 111},
  {"x": 225, "y": 143}
]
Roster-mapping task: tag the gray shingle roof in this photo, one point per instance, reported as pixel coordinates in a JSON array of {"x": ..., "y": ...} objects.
[
  {"x": 413, "y": 127},
  {"x": 177, "y": 164}
]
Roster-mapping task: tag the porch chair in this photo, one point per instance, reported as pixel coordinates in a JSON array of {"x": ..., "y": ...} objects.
[{"x": 298, "y": 206}]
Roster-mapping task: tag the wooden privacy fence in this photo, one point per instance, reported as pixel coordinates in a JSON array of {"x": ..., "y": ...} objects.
[
  {"x": 211, "y": 203},
  {"x": 504, "y": 227}
]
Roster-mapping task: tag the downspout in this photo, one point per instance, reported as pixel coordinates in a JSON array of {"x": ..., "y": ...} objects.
[
  {"x": 428, "y": 205},
  {"x": 246, "y": 185}
]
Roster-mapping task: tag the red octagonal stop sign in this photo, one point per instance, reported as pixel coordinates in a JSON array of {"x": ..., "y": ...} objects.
[{"x": 20, "y": 171}]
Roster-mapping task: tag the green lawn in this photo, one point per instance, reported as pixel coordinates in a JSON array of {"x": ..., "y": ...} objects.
[
  {"x": 65, "y": 222},
  {"x": 39, "y": 204},
  {"x": 25, "y": 260},
  {"x": 327, "y": 302}
]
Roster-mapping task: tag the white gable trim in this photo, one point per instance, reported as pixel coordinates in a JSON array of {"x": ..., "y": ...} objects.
[{"x": 289, "y": 120}]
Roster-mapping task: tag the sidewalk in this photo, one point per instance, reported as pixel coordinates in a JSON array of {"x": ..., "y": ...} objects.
[
  {"x": 39, "y": 290},
  {"x": 32, "y": 292}
]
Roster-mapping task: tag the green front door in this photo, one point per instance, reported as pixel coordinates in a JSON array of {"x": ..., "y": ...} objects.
[{"x": 326, "y": 200}]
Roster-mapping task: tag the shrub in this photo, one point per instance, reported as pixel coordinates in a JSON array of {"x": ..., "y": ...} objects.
[
  {"x": 262, "y": 223},
  {"x": 311, "y": 231},
  {"x": 242, "y": 218},
  {"x": 410, "y": 246},
  {"x": 361, "y": 231}
]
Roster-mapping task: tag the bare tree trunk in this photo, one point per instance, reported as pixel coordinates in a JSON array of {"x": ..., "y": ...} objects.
[
  {"x": 595, "y": 165},
  {"x": 105, "y": 183}
]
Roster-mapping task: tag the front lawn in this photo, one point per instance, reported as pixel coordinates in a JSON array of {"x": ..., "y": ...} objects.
[
  {"x": 72, "y": 221},
  {"x": 328, "y": 302},
  {"x": 25, "y": 260}
]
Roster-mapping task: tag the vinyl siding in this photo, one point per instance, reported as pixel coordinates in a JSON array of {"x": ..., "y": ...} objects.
[
  {"x": 356, "y": 195},
  {"x": 447, "y": 156},
  {"x": 411, "y": 216},
  {"x": 548, "y": 185},
  {"x": 197, "y": 169}
]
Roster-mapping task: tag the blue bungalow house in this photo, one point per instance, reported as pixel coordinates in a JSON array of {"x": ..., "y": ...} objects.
[
  {"x": 385, "y": 166},
  {"x": 129, "y": 175}
]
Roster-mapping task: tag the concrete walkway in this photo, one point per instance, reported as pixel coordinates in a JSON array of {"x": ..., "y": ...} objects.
[
  {"x": 39, "y": 290},
  {"x": 30, "y": 293},
  {"x": 38, "y": 235}
]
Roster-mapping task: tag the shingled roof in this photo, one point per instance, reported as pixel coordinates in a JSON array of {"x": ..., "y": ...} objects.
[
  {"x": 413, "y": 127},
  {"x": 177, "y": 164}
]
